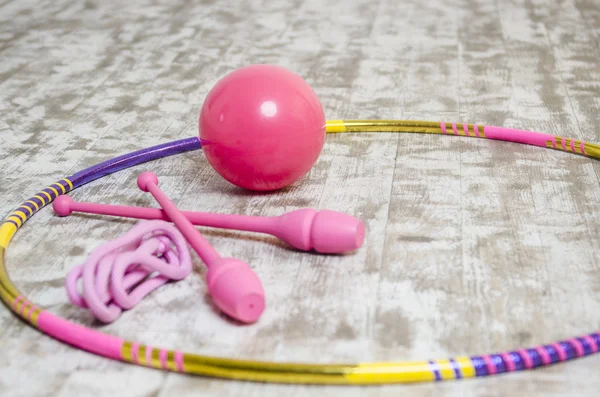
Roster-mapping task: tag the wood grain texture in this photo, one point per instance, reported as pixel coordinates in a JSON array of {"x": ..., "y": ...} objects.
[{"x": 473, "y": 246}]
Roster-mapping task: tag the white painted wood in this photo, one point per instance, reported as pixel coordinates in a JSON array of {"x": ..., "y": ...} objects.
[{"x": 473, "y": 246}]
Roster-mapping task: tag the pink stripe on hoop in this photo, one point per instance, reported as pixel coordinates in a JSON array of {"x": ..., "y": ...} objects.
[
  {"x": 454, "y": 129},
  {"x": 543, "y": 355},
  {"x": 577, "y": 346},
  {"x": 489, "y": 364},
  {"x": 592, "y": 342},
  {"x": 582, "y": 147},
  {"x": 162, "y": 356},
  {"x": 443, "y": 127},
  {"x": 135, "y": 347},
  {"x": 149, "y": 355},
  {"x": 28, "y": 308},
  {"x": 17, "y": 300},
  {"x": 24, "y": 305},
  {"x": 572, "y": 145},
  {"x": 562, "y": 355},
  {"x": 527, "y": 361},
  {"x": 476, "y": 129},
  {"x": 466, "y": 129},
  {"x": 508, "y": 362},
  {"x": 554, "y": 143},
  {"x": 563, "y": 141},
  {"x": 33, "y": 308},
  {"x": 179, "y": 360}
]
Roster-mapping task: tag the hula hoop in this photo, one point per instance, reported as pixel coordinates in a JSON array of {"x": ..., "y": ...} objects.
[{"x": 276, "y": 372}]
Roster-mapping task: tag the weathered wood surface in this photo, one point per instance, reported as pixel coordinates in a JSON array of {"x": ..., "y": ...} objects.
[{"x": 473, "y": 246}]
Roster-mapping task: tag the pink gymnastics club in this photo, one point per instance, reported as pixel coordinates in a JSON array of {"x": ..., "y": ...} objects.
[
  {"x": 327, "y": 232},
  {"x": 234, "y": 287}
]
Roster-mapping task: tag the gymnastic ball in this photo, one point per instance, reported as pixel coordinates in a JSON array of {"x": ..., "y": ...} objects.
[{"x": 262, "y": 127}]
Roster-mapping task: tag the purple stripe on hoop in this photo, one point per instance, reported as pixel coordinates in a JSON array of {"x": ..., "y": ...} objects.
[
  {"x": 30, "y": 206},
  {"x": 435, "y": 368},
  {"x": 26, "y": 210},
  {"x": 11, "y": 221},
  {"x": 479, "y": 365},
  {"x": 50, "y": 192},
  {"x": 456, "y": 368},
  {"x": 37, "y": 201}
]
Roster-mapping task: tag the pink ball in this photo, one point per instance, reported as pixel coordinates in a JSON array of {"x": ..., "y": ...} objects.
[{"x": 262, "y": 127}]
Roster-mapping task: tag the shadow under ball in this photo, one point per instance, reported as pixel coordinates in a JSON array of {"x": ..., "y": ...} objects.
[{"x": 262, "y": 127}]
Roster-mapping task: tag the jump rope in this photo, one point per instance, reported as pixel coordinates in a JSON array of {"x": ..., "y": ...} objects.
[{"x": 261, "y": 128}]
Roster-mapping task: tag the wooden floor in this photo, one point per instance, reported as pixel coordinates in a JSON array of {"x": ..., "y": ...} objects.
[{"x": 473, "y": 246}]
